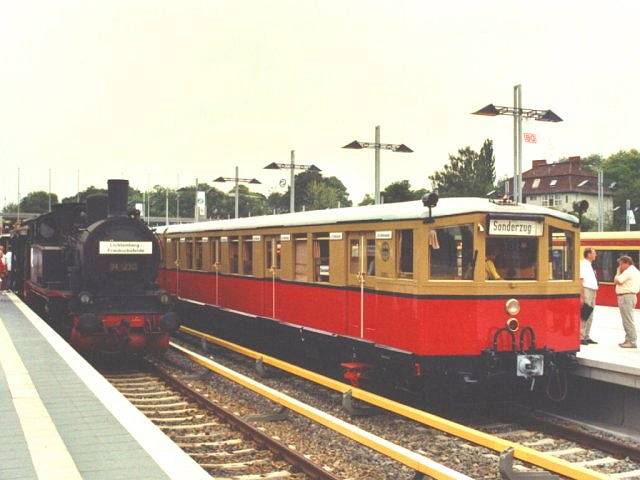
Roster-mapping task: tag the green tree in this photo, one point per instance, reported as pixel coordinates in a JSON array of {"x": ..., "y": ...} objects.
[
  {"x": 276, "y": 203},
  {"x": 320, "y": 195},
  {"x": 10, "y": 208},
  {"x": 37, "y": 202},
  {"x": 82, "y": 196},
  {"x": 307, "y": 196},
  {"x": 468, "y": 174},
  {"x": 367, "y": 200},
  {"x": 622, "y": 167},
  {"x": 593, "y": 162},
  {"x": 401, "y": 192}
]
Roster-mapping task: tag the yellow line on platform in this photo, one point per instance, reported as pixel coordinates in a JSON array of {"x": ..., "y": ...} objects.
[
  {"x": 521, "y": 452},
  {"x": 411, "y": 459}
]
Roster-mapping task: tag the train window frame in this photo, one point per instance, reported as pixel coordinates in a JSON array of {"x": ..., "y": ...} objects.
[
  {"x": 197, "y": 253},
  {"x": 300, "y": 239},
  {"x": 400, "y": 273},
  {"x": 188, "y": 253},
  {"x": 247, "y": 256},
  {"x": 172, "y": 258},
  {"x": 233, "y": 242},
  {"x": 502, "y": 266},
  {"x": 569, "y": 253},
  {"x": 321, "y": 271},
  {"x": 215, "y": 253},
  {"x": 433, "y": 243},
  {"x": 360, "y": 243},
  {"x": 273, "y": 255}
]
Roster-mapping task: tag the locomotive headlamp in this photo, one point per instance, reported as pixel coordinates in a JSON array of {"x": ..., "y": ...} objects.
[
  {"x": 85, "y": 298},
  {"x": 513, "y": 324},
  {"x": 512, "y": 306},
  {"x": 164, "y": 299}
]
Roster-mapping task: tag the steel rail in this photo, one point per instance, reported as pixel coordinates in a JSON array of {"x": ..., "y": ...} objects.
[
  {"x": 521, "y": 452},
  {"x": 297, "y": 460},
  {"x": 413, "y": 460}
]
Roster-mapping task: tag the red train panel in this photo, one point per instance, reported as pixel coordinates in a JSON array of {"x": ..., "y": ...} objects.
[{"x": 422, "y": 325}]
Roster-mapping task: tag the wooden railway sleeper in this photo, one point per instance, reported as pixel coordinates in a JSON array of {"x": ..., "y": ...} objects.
[{"x": 507, "y": 473}]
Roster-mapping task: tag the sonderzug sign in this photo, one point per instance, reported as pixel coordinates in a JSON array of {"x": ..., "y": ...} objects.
[
  {"x": 126, "y": 248},
  {"x": 514, "y": 227}
]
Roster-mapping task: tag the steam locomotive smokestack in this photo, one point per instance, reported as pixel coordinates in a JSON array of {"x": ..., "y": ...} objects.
[
  {"x": 97, "y": 207},
  {"x": 118, "y": 196}
]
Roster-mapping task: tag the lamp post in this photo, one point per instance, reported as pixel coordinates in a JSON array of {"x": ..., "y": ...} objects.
[
  {"x": 518, "y": 113},
  {"x": 237, "y": 181},
  {"x": 292, "y": 166},
  {"x": 378, "y": 146}
]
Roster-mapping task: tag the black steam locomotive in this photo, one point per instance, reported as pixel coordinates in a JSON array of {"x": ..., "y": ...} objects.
[{"x": 92, "y": 269}]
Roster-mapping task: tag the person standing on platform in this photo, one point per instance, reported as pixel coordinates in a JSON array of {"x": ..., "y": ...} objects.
[
  {"x": 627, "y": 282},
  {"x": 589, "y": 285},
  {"x": 8, "y": 277},
  {"x": 2, "y": 267}
]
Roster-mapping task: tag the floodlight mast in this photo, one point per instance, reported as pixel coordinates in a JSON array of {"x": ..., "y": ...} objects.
[
  {"x": 237, "y": 181},
  {"x": 518, "y": 113},
  {"x": 357, "y": 145},
  {"x": 292, "y": 166}
]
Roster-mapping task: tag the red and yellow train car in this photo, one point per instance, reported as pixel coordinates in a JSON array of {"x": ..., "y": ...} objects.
[
  {"x": 398, "y": 290},
  {"x": 610, "y": 246}
]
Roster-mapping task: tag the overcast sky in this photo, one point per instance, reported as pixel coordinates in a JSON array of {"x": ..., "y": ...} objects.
[{"x": 149, "y": 90}]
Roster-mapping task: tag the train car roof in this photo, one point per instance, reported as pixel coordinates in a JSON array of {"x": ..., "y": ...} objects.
[
  {"x": 619, "y": 235},
  {"x": 369, "y": 213}
]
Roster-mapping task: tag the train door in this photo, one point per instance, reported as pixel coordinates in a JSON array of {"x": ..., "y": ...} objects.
[
  {"x": 360, "y": 277},
  {"x": 273, "y": 262},
  {"x": 216, "y": 264}
]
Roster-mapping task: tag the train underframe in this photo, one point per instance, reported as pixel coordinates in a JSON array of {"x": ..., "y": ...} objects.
[
  {"x": 111, "y": 331},
  {"x": 363, "y": 363}
]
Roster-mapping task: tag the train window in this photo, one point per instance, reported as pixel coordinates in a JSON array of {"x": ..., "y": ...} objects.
[
  {"x": 273, "y": 253},
  {"x": 300, "y": 254},
  {"x": 371, "y": 257},
  {"x": 561, "y": 254},
  {"x": 198, "y": 254},
  {"x": 247, "y": 256},
  {"x": 321, "y": 257},
  {"x": 405, "y": 253},
  {"x": 606, "y": 263},
  {"x": 354, "y": 256},
  {"x": 367, "y": 241},
  {"x": 174, "y": 253},
  {"x": 233, "y": 254},
  {"x": 215, "y": 250},
  {"x": 188, "y": 250},
  {"x": 514, "y": 258},
  {"x": 451, "y": 253}
]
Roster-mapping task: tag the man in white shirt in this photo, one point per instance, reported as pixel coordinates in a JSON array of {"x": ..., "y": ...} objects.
[
  {"x": 627, "y": 282},
  {"x": 589, "y": 285}
]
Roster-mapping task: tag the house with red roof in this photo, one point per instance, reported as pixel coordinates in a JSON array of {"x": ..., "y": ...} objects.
[{"x": 558, "y": 185}]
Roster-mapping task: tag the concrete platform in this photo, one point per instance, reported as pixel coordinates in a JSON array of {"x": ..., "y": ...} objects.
[
  {"x": 607, "y": 361},
  {"x": 62, "y": 420}
]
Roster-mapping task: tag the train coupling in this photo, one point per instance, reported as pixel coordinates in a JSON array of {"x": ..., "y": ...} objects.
[{"x": 529, "y": 365}]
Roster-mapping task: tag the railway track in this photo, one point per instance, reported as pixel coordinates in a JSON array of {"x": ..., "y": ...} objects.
[
  {"x": 577, "y": 448},
  {"x": 222, "y": 443},
  {"x": 576, "y": 444}
]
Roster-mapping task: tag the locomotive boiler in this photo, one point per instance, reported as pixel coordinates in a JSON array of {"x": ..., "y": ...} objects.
[{"x": 92, "y": 268}]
